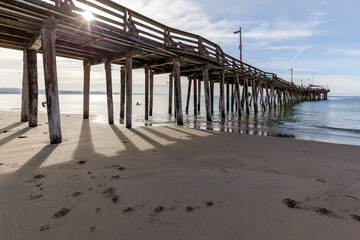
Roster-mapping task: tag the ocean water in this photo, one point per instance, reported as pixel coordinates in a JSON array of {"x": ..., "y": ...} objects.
[{"x": 335, "y": 120}]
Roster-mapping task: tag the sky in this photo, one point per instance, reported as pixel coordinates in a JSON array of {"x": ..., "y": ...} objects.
[{"x": 318, "y": 39}]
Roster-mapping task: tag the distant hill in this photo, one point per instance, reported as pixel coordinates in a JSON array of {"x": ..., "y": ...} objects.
[{"x": 42, "y": 91}]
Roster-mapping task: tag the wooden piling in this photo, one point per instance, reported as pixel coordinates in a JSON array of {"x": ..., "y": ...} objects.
[
  {"x": 188, "y": 96},
  {"x": 50, "y": 75},
  {"x": 128, "y": 66},
  {"x": 212, "y": 96},
  {"x": 25, "y": 90},
  {"x": 86, "y": 97},
  {"x": 237, "y": 94},
  {"x": 195, "y": 95},
  {"x": 32, "y": 87},
  {"x": 178, "y": 97},
  {"x": 122, "y": 93},
  {"x": 171, "y": 86},
  {"x": 262, "y": 101},
  {"x": 222, "y": 92},
  {"x": 247, "y": 96},
  {"x": 151, "y": 94},
  {"x": 232, "y": 98},
  {"x": 109, "y": 93},
  {"x": 227, "y": 97},
  {"x": 199, "y": 95},
  {"x": 147, "y": 81},
  {"x": 206, "y": 91},
  {"x": 255, "y": 95}
]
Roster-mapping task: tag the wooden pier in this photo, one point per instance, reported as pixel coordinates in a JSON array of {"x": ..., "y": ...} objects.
[{"x": 117, "y": 35}]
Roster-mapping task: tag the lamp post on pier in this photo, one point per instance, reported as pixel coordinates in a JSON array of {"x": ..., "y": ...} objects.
[
  {"x": 292, "y": 74},
  {"x": 240, "y": 46}
]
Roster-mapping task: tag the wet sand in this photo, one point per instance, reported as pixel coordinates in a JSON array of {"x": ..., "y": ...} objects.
[{"x": 108, "y": 182}]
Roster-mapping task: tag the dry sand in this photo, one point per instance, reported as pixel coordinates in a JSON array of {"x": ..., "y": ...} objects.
[{"x": 107, "y": 182}]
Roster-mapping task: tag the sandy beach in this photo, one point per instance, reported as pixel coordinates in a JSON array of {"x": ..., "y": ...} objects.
[{"x": 108, "y": 182}]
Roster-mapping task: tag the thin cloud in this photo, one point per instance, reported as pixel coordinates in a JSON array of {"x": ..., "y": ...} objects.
[
  {"x": 282, "y": 30},
  {"x": 344, "y": 52}
]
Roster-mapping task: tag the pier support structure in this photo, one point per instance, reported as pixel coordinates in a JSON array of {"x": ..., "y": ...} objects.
[
  {"x": 51, "y": 84},
  {"x": 178, "y": 97},
  {"x": 129, "y": 66},
  {"x": 32, "y": 87},
  {"x": 86, "y": 101}
]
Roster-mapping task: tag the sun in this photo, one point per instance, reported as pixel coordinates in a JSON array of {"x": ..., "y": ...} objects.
[{"x": 88, "y": 15}]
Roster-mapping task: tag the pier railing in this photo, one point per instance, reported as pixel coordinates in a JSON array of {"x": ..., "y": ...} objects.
[{"x": 118, "y": 19}]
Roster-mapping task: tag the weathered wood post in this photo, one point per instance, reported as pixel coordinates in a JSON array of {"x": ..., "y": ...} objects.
[
  {"x": 128, "y": 65},
  {"x": 178, "y": 97},
  {"x": 199, "y": 95},
  {"x": 206, "y": 91},
  {"x": 147, "y": 80},
  {"x": 262, "y": 96},
  {"x": 25, "y": 90},
  {"x": 122, "y": 93},
  {"x": 255, "y": 95},
  {"x": 151, "y": 94},
  {"x": 171, "y": 84},
  {"x": 50, "y": 75},
  {"x": 232, "y": 97},
  {"x": 246, "y": 85},
  {"x": 222, "y": 92},
  {"x": 212, "y": 96},
  {"x": 32, "y": 87},
  {"x": 237, "y": 94},
  {"x": 227, "y": 97},
  {"x": 109, "y": 93},
  {"x": 188, "y": 96},
  {"x": 195, "y": 95},
  {"x": 86, "y": 101}
]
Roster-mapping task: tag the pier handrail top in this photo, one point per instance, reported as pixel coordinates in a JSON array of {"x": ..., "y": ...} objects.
[{"x": 115, "y": 27}]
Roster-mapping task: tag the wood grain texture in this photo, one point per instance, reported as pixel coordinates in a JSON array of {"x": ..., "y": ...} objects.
[
  {"x": 129, "y": 62},
  {"x": 178, "y": 96},
  {"x": 32, "y": 87},
  {"x": 86, "y": 107},
  {"x": 109, "y": 93},
  {"x": 51, "y": 84}
]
